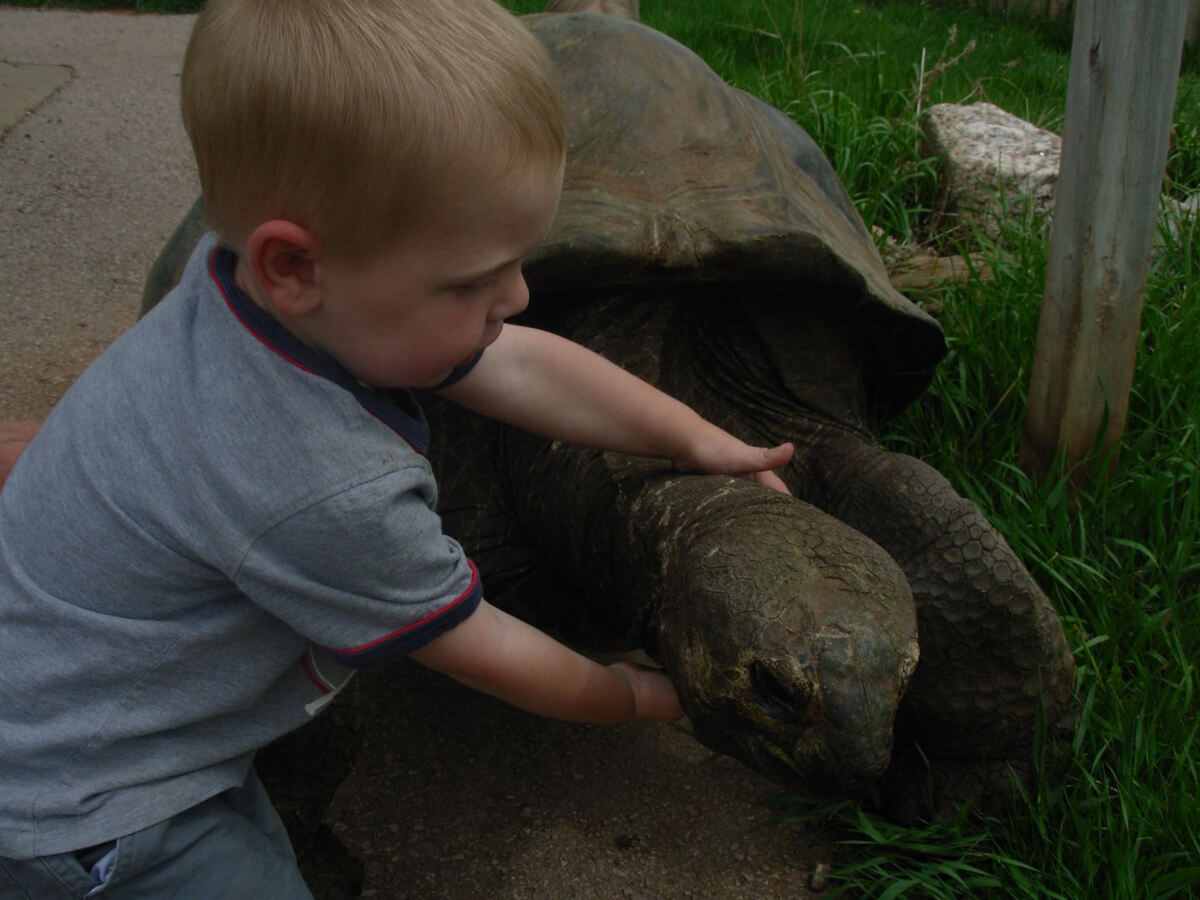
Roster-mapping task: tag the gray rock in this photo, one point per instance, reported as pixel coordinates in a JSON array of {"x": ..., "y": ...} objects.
[{"x": 996, "y": 167}]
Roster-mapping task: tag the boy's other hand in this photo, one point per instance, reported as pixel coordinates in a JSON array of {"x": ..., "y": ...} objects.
[
  {"x": 14, "y": 438},
  {"x": 653, "y": 694},
  {"x": 728, "y": 456}
]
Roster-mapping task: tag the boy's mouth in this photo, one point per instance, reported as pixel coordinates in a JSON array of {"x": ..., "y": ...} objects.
[{"x": 488, "y": 340}]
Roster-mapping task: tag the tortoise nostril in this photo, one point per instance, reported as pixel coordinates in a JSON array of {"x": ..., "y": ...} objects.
[{"x": 775, "y": 699}]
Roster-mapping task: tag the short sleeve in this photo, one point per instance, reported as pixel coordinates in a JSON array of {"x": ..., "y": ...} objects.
[{"x": 366, "y": 573}]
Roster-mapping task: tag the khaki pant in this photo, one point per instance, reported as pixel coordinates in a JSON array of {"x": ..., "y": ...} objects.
[{"x": 230, "y": 847}]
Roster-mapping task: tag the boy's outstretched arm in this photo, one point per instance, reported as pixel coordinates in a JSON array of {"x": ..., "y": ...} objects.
[
  {"x": 492, "y": 652},
  {"x": 551, "y": 386}
]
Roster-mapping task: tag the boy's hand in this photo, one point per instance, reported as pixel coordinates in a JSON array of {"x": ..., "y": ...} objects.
[
  {"x": 654, "y": 696},
  {"x": 15, "y": 436},
  {"x": 726, "y": 455}
]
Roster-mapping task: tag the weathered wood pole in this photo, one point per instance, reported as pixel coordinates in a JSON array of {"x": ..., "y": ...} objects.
[{"x": 1120, "y": 99}]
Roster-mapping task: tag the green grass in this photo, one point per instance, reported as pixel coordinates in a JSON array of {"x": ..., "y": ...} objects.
[{"x": 1119, "y": 815}]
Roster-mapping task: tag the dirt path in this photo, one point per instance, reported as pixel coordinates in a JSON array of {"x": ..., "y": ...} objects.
[
  {"x": 456, "y": 795},
  {"x": 461, "y": 797}
]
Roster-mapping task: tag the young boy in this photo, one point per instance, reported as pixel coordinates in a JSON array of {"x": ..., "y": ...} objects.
[{"x": 231, "y": 510}]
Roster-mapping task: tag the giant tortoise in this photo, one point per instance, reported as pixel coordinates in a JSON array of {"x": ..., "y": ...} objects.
[{"x": 705, "y": 243}]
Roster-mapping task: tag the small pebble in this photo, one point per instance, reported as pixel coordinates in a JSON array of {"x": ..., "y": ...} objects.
[{"x": 820, "y": 878}]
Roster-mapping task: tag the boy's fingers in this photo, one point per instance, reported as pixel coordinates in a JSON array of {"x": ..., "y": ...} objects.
[
  {"x": 658, "y": 695},
  {"x": 655, "y": 694},
  {"x": 771, "y": 480},
  {"x": 740, "y": 459},
  {"x": 774, "y": 457}
]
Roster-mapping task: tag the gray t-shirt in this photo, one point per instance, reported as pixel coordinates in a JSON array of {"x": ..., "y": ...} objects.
[{"x": 213, "y": 528}]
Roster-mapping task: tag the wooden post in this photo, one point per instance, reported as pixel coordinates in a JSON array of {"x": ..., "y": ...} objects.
[{"x": 1120, "y": 99}]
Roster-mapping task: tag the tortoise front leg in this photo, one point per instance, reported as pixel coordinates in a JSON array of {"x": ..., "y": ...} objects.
[
  {"x": 994, "y": 656},
  {"x": 992, "y": 648}
]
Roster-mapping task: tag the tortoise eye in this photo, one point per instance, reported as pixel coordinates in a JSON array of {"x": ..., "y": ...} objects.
[{"x": 778, "y": 701}]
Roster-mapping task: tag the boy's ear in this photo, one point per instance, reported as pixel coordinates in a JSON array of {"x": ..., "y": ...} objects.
[{"x": 284, "y": 258}]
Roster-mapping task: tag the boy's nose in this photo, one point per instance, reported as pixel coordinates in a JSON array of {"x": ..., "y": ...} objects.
[{"x": 511, "y": 301}]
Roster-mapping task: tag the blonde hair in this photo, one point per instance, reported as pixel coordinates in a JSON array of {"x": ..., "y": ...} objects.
[{"x": 349, "y": 117}]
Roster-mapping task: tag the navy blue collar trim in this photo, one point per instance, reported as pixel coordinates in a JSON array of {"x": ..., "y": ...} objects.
[{"x": 397, "y": 408}]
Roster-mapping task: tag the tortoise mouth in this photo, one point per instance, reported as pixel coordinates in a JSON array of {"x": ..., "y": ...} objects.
[
  {"x": 816, "y": 719},
  {"x": 828, "y": 743},
  {"x": 809, "y": 764}
]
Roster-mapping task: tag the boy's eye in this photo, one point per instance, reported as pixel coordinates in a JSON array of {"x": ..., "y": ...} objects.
[
  {"x": 474, "y": 287},
  {"x": 504, "y": 271},
  {"x": 480, "y": 284}
]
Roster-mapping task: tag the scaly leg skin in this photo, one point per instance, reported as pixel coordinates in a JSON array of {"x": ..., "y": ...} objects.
[{"x": 994, "y": 657}]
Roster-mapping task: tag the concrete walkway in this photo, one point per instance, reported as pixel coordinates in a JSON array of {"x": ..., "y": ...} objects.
[{"x": 95, "y": 172}]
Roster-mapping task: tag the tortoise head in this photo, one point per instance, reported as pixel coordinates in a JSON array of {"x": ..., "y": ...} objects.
[{"x": 790, "y": 638}]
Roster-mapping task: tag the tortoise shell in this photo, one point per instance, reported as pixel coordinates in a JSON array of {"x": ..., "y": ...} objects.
[{"x": 673, "y": 174}]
